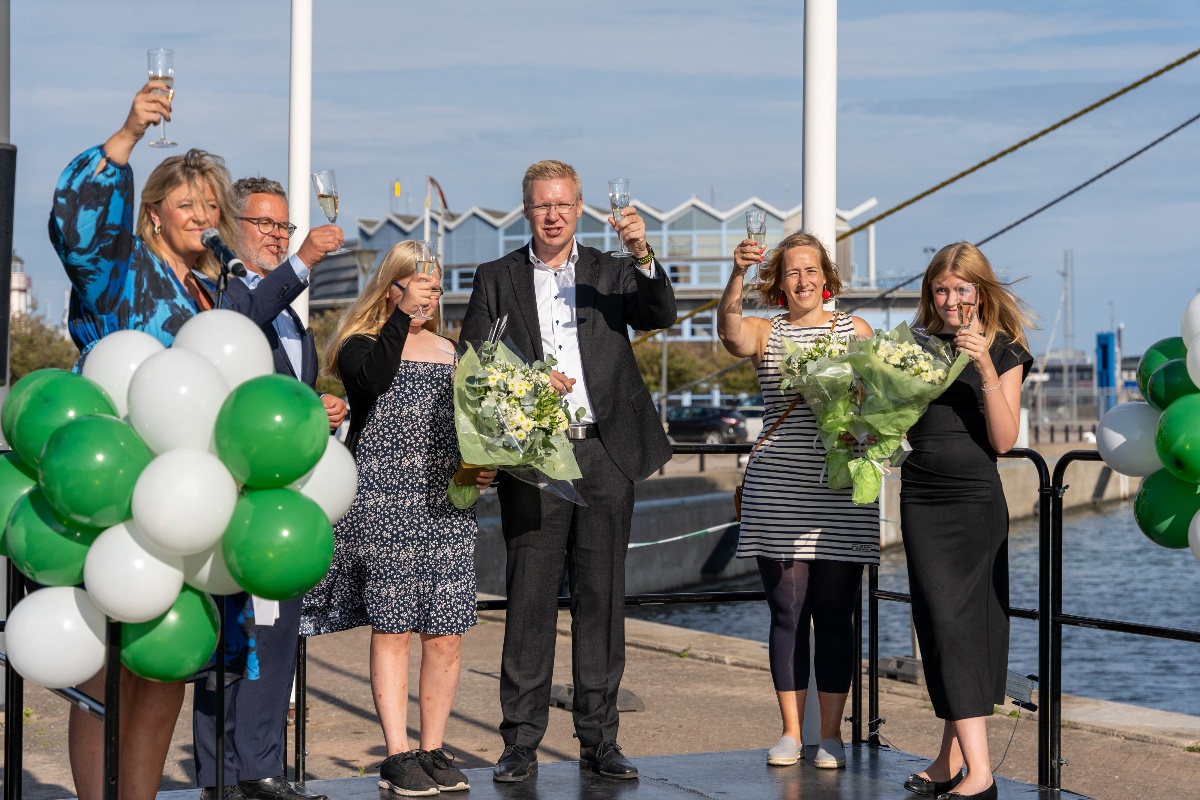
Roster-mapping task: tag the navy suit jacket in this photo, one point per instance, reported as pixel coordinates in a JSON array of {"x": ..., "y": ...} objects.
[{"x": 279, "y": 283}]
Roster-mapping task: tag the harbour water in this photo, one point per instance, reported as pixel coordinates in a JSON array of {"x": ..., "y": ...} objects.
[{"x": 1110, "y": 570}]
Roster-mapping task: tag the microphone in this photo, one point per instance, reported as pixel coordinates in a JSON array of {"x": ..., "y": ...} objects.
[{"x": 211, "y": 238}]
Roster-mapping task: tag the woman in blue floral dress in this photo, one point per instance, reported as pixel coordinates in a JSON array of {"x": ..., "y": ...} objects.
[
  {"x": 404, "y": 556},
  {"x": 151, "y": 275}
]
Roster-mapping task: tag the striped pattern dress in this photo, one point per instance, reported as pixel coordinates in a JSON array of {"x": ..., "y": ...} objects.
[{"x": 788, "y": 513}]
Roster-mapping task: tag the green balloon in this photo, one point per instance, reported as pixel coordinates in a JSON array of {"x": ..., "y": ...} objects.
[
  {"x": 1164, "y": 507},
  {"x": 16, "y": 481},
  {"x": 176, "y": 645},
  {"x": 20, "y": 392},
  {"x": 43, "y": 545},
  {"x": 89, "y": 467},
  {"x": 1159, "y": 353},
  {"x": 1168, "y": 383},
  {"x": 1177, "y": 439},
  {"x": 53, "y": 402},
  {"x": 270, "y": 431},
  {"x": 278, "y": 545}
]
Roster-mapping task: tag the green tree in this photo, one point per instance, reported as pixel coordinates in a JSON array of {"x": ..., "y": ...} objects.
[
  {"x": 694, "y": 361},
  {"x": 34, "y": 344},
  {"x": 324, "y": 325}
]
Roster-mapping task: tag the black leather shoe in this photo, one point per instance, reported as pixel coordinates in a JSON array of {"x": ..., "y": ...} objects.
[
  {"x": 231, "y": 793},
  {"x": 279, "y": 788},
  {"x": 990, "y": 793},
  {"x": 516, "y": 763},
  {"x": 606, "y": 759},
  {"x": 924, "y": 786}
]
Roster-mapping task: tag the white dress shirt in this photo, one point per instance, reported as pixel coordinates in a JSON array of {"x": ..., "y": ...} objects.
[
  {"x": 290, "y": 335},
  {"x": 558, "y": 316}
]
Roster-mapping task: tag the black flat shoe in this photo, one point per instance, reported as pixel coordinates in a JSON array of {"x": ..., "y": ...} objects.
[
  {"x": 990, "y": 793},
  {"x": 924, "y": 786},
  {"x": 279, "y": 788},
  {"x": 606, "y": 759},
  {"x": 231, "y": 793},
  {"x": 516, "y": 763}
]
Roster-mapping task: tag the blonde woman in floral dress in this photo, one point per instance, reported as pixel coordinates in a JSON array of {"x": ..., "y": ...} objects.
[
  {"x": 810, "y": 541},
  {"x": 404, "y": 556}
]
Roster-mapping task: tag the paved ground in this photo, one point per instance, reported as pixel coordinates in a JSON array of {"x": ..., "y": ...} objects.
[{"x": 703, "y": 693}]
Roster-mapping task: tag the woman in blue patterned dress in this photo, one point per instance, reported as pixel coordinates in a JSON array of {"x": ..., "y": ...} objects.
[
  {"x": 148, "y": 276},
  {"x": 810, "y": 542},
  {"x": 404, "y": 556}
]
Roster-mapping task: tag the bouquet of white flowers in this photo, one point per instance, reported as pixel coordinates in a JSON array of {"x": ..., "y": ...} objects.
[
  {"x": 899, "y": 375},
  {"x": 798, "y": 356},
  {"x": 508, "y": 415}
]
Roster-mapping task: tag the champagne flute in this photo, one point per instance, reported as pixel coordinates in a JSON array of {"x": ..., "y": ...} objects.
[
  {"x": 426, "y": 265},
  {"x": 756, "y": 227},
  {"x": 618, "y": 199},
  {"x": 968, "y": 299},
  {"x": 161, "y": 64},
  {"x": 325, "y": 185}
]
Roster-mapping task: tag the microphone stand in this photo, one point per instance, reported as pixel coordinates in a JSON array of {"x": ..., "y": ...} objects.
[{"x": 222, "y": 283}]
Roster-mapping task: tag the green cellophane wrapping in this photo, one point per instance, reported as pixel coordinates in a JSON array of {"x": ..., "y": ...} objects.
[
  {"x": 891, "y": 402},
  {"x": 486, "y": 436}
]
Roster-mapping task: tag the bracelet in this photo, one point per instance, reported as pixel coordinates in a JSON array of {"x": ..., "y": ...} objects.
[
  {"x": 994, "y": 388},
  {"x": 646, "y": 259}
]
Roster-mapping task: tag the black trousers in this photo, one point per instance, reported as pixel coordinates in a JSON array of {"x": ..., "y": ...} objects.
[
  {"x": 539, "y": 529},
  {"x": 255, "y": 711}
]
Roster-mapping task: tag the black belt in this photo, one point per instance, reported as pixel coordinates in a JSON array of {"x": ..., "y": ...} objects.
[{"x": 578, "y": 430}]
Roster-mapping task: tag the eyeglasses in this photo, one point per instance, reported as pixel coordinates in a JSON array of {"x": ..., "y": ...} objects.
[
  {"x": 964, "y": 292},
  {"x": 266, "y": 225},
  {"x": 542, "y": 209}
]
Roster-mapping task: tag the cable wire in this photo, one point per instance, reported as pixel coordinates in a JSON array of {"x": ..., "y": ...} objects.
[
  {"x": 1022, "y": 143},
  {"x": 1089, "y": 181}
]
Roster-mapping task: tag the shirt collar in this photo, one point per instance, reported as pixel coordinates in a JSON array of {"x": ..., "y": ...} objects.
[{"x": 570, "y": 265}]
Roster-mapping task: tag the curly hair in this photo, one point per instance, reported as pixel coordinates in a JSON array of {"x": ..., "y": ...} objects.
[
  {"x": 244, "y": 187},
  {"x": 770, "y": 275}
]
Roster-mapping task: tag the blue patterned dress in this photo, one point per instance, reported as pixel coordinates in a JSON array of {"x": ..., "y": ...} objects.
[
  {"x": 117, "y": 284},
  {"x": 404, "y": 556}
]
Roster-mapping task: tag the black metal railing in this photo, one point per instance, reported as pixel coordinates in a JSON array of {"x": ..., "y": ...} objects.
[{"x": 1049, "y": 616}]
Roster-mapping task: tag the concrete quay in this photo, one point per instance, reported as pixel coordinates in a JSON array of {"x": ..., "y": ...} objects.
[{"x": 703, "y": 693}]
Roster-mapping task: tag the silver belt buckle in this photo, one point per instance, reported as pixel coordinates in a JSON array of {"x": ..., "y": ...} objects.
[{"x": 577, "y": 431}]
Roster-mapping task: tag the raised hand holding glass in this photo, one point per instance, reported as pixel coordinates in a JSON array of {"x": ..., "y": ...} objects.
[
  {"x": 161, "y": 65},
  {"x": 325, "y": 185},
  {"x": 618, "y": 199}
]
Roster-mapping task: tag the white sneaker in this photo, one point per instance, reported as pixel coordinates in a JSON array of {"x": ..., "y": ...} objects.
[
  {"x": 830, "y": 755},
  {"x": 785, "y": 752}
]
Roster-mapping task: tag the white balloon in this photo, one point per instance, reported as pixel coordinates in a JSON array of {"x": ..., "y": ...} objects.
[
  {"x": 231, "y": 341},
  {"x": 1190, "y": 324},
  {"x": 207, "y": 572},
  {"x": 1194, "y": 535},
  {"x": 332, "y": 482},
  {"x": 129, "y": 579},
  {"x": 1193, "y": 358},
  {"x": 55, "y": 637},
  {"x": 114, "y": 359},
  {"x": 183, "y": 501},
  {"x": 1125, "y": 439},
  {"x": 174, "y": 399}
]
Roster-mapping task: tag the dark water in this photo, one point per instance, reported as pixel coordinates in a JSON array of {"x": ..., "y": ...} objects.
[{"x": 1110, "y": 570}]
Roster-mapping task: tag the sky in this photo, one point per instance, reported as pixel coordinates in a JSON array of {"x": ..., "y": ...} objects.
[{"x": 687, "y": 98}]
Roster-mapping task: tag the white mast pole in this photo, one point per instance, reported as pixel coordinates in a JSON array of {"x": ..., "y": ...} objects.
[{"x": 300, "y": 134}]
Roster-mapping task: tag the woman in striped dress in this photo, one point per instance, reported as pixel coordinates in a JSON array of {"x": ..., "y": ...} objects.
[{"x": 810, "y": 541}]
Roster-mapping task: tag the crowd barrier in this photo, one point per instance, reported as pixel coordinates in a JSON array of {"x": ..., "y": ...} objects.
[{"x": 1049, "y": 616}]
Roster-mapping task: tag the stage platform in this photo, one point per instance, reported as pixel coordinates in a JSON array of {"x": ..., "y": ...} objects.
[{"x": 742, "y": 775}]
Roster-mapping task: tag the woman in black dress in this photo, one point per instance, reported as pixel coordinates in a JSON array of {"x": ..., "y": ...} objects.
[{"x": 954, "y": 516}]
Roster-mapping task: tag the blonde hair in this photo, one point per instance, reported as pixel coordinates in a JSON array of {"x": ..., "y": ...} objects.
[
  {"x": 369, "y": 313},
  {"x": 998, "y": 310},
  {"x": 549, "y": 170},
  {"x": 771, "y": 273},
  {"x": 198, "y": 170}
]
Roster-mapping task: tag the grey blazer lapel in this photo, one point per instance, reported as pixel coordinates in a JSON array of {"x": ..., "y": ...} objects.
[
  {"x": 520, "y": 272},
  {"x": 587, "y": 278}
]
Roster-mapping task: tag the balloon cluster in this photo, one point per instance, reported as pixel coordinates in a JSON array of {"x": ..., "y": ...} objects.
[
  {"x": 1159, "y": 439},
  {"x": 154, "y": 479}
]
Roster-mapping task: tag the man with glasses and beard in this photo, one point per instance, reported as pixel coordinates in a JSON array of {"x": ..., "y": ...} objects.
[
  {"x": 256, "y": 710},
  {"x": 574, "y": 304}
]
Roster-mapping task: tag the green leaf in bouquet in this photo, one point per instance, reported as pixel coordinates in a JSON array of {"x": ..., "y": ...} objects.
[
  {"x": 883, "y": 448},
  {"x": 837, "y": 468}
]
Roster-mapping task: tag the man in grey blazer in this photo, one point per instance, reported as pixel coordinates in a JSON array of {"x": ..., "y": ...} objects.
[{"x": 575, "y": 304}]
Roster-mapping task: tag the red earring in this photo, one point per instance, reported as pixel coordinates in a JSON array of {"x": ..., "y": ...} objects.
[
  {"x": 826, "y": 294},
  {"x": 782, "y": 300}
]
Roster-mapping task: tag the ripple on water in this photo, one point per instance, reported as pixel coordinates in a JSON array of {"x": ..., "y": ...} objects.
[{"x": 1110, "y": 569}]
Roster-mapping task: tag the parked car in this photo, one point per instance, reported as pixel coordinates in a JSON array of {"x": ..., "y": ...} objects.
[
  {"x": 752, "y": 409},
  {"x": 706, "y": 424}
]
